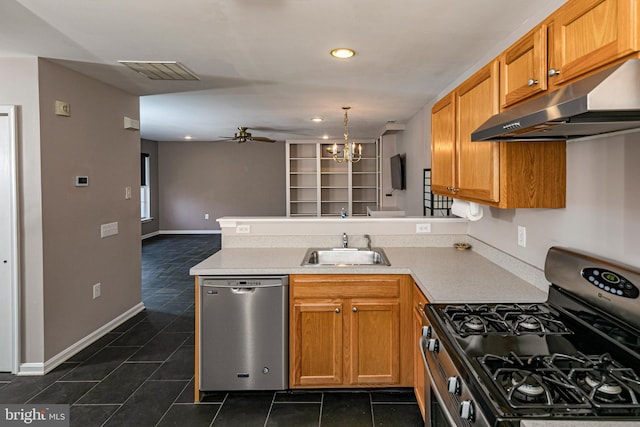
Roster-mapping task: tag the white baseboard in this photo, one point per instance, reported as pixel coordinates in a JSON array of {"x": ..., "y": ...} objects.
[
  {"x": 146, "y": 236},
  {"x": 190, "y": 231},
  {"x": 156, "y": 233},
  {"x": 38, "y": 368}
]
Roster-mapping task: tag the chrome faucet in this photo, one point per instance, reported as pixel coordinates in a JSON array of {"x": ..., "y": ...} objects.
[
  {"x": 345, "y": 240},
  {"x": 368, "y": 239}
]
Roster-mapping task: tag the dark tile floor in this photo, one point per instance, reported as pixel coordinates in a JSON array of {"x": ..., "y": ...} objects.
[{"x": 141, "y": 373}]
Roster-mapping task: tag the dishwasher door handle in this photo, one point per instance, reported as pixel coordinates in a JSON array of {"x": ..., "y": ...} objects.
[{"x": 239, "y": 291}]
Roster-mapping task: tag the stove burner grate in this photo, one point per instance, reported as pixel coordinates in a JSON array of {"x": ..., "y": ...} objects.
[
  {"x": 503, "y": 319},
  {"x": 563, "y": 381}
]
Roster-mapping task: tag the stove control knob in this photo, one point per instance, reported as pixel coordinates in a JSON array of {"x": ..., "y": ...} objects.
[
  {"x": 426, "y": 331},
  {"x": 453, "y": 385},
  {"x": 466, "y": 410},
  {"x": 433, "y": 345}
]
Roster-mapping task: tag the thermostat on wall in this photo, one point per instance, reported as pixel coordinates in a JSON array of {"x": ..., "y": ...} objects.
[{"x": 82, "y": 181}]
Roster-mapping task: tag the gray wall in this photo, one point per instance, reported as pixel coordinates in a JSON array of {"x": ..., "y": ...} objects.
[
  {"x": 91, "y": 142},
  {"x": 221, "y": 179},
  {"x": 151, "y": 148},
  {"x": 62, "y": 253}
]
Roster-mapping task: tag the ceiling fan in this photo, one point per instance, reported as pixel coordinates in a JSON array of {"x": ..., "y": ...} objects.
[{"x": 243, "y": 136}]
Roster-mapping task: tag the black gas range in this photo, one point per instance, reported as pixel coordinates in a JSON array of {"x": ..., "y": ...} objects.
[{"x": 574, "y": 357}]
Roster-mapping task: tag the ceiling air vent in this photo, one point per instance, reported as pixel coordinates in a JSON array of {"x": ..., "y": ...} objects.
[{"x": 161, "y": 70}]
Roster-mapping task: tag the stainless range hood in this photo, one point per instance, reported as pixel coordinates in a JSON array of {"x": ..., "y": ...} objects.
[{"x": 603, "y": 103}]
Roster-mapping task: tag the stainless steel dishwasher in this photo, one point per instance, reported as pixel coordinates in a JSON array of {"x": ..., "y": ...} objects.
[{"x": 244, "y": 333}]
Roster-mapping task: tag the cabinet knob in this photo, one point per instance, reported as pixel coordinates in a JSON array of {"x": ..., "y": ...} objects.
[
  {"x": 532, "y": 82},
  {"x": 354, "y": 309},
  {"x": 553, "y": 72},
  {"x": 455, "y": 190},
  {"x": 337, "y": 310}
]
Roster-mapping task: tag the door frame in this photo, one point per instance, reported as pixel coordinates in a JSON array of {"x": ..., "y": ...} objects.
[{"x": 10, "y": 111}]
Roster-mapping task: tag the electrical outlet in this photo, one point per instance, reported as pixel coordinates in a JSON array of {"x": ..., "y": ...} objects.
[
  {"x": 206, "y": 216},
  {"x": 423, "y": 228},
  {"x": 522, "y": 236},
  {"x": 243, "y": 229},
  {"x": 97, "y": 290},
  {"x": 127, "y": 193}
]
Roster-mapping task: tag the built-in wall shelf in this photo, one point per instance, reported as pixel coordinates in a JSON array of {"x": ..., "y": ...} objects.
[{"x": 317, "y": 185}]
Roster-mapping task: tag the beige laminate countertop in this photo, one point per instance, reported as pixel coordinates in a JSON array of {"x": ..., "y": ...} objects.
[{"x": 445, "y": 275}]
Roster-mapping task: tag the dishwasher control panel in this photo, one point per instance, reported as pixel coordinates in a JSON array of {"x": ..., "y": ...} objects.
[{"x": 244, "y": 282}]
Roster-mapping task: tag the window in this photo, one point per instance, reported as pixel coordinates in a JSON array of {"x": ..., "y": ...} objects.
[{"x": 145, "y": 203}]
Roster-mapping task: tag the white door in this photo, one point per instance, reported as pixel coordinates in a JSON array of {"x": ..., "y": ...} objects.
[{"x": 8, "y": 242}]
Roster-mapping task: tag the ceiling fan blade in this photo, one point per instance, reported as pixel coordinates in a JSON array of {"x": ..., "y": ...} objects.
[{"x": 262, "y": 139}]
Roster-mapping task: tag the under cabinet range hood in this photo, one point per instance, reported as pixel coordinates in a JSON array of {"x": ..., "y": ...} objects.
[{"x": 605, "y": 102}]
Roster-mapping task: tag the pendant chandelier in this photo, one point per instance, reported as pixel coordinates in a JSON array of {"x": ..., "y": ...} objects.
[{"x": 350, "y": 153}]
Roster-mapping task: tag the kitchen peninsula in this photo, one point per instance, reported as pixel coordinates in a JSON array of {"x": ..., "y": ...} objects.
[
  {"x": 361, "y": 310},
  {"x": 274, "y": 245}
]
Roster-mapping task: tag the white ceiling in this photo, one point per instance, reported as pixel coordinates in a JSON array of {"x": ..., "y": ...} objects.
[{"x": 265, "y": 64}]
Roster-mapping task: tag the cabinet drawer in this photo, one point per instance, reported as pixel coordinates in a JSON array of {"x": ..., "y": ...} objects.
[{"x": 345, "y": 286}]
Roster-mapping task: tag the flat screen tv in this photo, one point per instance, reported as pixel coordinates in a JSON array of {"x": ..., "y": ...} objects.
[{"x": 397, "y": 172}]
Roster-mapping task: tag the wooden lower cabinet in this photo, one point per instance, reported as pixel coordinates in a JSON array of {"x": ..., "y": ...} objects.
[
  {"x": 317, "y": 329},
  {"x": 375, "y": 341},
  {"x": 350, "y": 331}
]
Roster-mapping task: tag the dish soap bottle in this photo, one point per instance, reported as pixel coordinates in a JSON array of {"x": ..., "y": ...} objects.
[{"x": 343, "y": 213}]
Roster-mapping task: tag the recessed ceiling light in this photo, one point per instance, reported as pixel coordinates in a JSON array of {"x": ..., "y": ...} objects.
[
  {"x": 316, "y": 119},
  {"x": 343, "y": 53},
  {"x": 325, "y": 136},
  {"x": 188, "y": 137}
]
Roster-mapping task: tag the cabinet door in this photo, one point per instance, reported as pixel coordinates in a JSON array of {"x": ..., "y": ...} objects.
[
  {"x": 315, "y": 341},
  {"x": 523, "y": 68},
  {"x": 477, "y": 163},
  {"x": 443, "y": 143},
  {"x": 588, "y": 34},
  {"x": 375, "y": 342}
]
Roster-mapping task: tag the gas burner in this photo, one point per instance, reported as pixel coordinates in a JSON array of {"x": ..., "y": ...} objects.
[
  {"x": 602, "y": 386},
  {"x": 528, "y": 322},
  {"x": 474, "y": 323},
  {"x": 526, "y": 386}
]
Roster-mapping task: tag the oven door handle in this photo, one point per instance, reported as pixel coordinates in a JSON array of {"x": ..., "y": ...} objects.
[{"x": 434, "y": 388}]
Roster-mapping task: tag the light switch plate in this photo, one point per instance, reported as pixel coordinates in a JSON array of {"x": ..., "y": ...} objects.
[{"x": 110, "y": 229}]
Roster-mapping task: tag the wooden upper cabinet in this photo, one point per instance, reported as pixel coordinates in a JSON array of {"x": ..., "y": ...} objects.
[
  {"x": 523, "y": 68},
  {"x": 588, "y": 34},
  {"x": 443, "y": 144},
  {"x": 477, "y": 163},
  {"x": 501, "y": 174}
]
